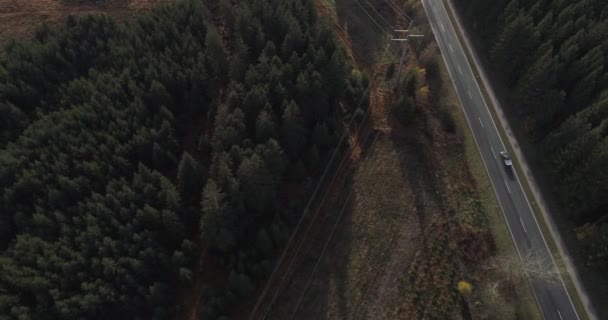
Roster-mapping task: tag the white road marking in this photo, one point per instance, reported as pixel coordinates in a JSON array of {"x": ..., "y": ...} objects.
[
  {"x": 442, "y": 28},
  {"x": 481, "y": 122},
  {"x": 434, "y": 9},
  {"x": 451, "y": 49},
  {"x": 559, "y": 314},
  {"x": 522, "y": 224},
  {"x": 493, "y": 153},
  {"x": 469, "y": 92},
  {"x": 507, "y": 187},
  {"x": 459, "y": 70}
]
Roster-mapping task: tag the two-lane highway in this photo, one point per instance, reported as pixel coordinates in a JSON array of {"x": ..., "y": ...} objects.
[{"x": 552, "y": 297}]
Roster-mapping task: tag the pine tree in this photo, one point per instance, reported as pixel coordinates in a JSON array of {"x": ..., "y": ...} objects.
[
  {"x": 264, "y": 244},
  {"x": 239, "y": 61},
  {"x": 273, "y": 157},
  {"x": 294, "y": 39},
  {"x": 320, "y": 136},
  {"x": 334, "y": 75},
  {"x": 536, "y": 92},
  {"x": 216, "y": 54},
  {"x": 214, "y": 208},
  {"x": 253, "y": 103},
  {"x": 513, "y": 48},
  {"x": 230, "y": 128},
  {"x": 264, "y": 126},
  {"x": 257, "y": 185},
  {"x": 189, "y": 176},
  {"x": 293, "y": 130}
]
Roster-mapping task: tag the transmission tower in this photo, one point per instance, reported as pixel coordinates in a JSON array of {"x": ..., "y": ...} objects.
[{"x": 407, "y": 34}]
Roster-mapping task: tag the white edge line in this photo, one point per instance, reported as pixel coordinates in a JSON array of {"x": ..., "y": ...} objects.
[
  {"x": 517, "y": 178},
  {"x": 546, "y": 245},
  {"x": 485, "y": 167},
  {"x": 471, "y": 69}
]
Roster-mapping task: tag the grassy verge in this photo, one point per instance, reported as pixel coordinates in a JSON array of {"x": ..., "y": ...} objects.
[
  {"x": 527, "y": 306},
  {"x": 524, "y": 182}
]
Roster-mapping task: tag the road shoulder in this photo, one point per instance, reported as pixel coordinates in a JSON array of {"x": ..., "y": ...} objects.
[{"x": 529, "y": 184}]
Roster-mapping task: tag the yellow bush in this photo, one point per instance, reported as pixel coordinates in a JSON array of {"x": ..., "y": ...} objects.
[{"x": 465, "y": 288}]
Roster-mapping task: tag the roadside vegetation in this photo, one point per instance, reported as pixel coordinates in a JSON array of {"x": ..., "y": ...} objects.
[
  {"x": 152, "y": 167},
  {"x": 421, "y": 236},
  {"x": 557, "y": 99},
  {"x": 505, "y": 292},
  {"x": 155, "y": 168}
]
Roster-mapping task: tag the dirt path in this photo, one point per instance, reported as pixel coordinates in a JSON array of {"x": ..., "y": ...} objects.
[{"x": 325, "y": 11}]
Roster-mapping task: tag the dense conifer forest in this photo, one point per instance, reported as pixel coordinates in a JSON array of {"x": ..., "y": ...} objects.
[
  {"x": 127, "y": 151},
  {"x": 553, "y": 57}
]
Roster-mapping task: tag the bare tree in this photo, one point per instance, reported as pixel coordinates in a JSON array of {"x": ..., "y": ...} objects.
[
  {"x": 512, "y": 270},
  {"x": 540, "y": 266}
]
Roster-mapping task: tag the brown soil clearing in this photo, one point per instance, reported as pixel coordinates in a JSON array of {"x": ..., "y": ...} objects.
[{"x": 19, "y": 18}]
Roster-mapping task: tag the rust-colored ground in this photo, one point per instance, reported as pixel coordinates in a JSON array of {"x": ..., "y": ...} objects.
[
  {"x": 19, "y": 18},
  {"x": 409, "y": 225}
]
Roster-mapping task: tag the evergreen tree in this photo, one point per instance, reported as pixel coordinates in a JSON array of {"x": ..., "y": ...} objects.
[
  {"x": 92, "y": 116},
  {"x": 273, "y": 157},
  {"x": 558, "y": 86},
  {"x": 257, "y": 184},
  {"x": 320, "y": 136},
  {"x": 264, "y": 126},
  {"x": 189, "y": 176},
  {"x": 213, "y": 206},
  {"x": 216, "y": 54},
  {"x": 512, "y": 48},
  {"x": 293, "y": 129}
]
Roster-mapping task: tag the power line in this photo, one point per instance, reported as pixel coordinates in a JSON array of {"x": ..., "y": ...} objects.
[
  {"x": 299, "y": 224},
  {"x": 314, "y": 270},
  {"x": 398, "y": 9},
  {"x": 381, "y": 16},
  {"x": 300, "y": 299},
  {"x": 309, "y": 203},
  {"x": 326, "y": 244},
  {"x": 408, "y": 34},
  {"x": 374, "y": 20},
  {"x": 289, "y": 267}
]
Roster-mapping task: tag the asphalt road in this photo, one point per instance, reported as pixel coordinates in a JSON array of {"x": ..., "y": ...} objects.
[{"x": 550, "y": 292}]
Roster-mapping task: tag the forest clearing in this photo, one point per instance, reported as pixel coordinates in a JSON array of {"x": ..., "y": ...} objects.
[
  {"x": 19, "y": 18},
  {"x": 416, "y": 215},
  {"x": 242, "y": 159}
]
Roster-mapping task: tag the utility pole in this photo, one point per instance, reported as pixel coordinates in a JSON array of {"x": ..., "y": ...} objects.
[{"x": 408, "y": 34}]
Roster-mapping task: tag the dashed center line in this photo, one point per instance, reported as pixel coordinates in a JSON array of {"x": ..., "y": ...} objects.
[
  {"x": 469, "y": 92},
  {"x": 544, "y": 306},
  {"x": 459, "y": 70},
  {"x": 481, "y": 122}
]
